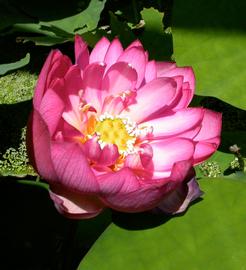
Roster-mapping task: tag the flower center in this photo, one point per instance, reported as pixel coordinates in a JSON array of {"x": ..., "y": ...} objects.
[{"x": 118, "y": 131}]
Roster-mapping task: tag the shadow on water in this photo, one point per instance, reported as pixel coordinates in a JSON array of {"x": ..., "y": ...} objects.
[
  {"x": 138, "y": 221},
  {"x": 145, "y": 220},
  {"x": 34, "y": 236}
]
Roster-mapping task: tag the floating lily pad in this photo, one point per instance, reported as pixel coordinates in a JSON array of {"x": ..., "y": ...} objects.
[
  {"x": 210, "y": 235},
  {"x": 4, "y": 68},
  {"x": 211, "y": 38}
]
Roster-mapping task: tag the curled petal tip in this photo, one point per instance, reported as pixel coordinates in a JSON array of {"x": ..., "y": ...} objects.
[{"x": 179, "y": 199}]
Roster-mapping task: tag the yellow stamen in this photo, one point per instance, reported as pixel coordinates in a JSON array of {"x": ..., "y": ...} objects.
[{"x": 116, "y": 131}]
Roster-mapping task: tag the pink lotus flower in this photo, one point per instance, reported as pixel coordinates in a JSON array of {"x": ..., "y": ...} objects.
[{"x": 113, "y": 130}]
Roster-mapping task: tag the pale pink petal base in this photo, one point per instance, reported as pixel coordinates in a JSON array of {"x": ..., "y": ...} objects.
[{"x": 76, "y": 206}]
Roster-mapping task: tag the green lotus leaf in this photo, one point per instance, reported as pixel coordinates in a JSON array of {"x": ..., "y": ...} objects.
[
  {"x": 210, "y": 235},
  {"x": 211, "y": 38},
  {"x": 4, "y": 68}
]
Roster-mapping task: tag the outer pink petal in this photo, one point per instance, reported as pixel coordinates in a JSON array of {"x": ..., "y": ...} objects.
[
  {"x": 92, "y": 83},
  {"x": 135, "y": 56},
  {"x": 149, "y": 194},
  {"x": 75, "y": 205},
  {"x": 178, "y": 200},
  {"x": 42, "y": 79},
  {"x": 113, "y": 53},
  {"x": 211, "y": 126},
  {"x": 168, "y": 152},
  {"x": 73, "y": 81},
  {"x": 38, "y": 144},
  {"x": 153, "y": 96},
  {"x": 179, "y": 92},
  {"x": 190, "y": 134},
  {"x": 163, "y": 67},
  {"x": 73, "y": 86},
  {"x": 123, "y": 181},
  {"x": 204, "y": 150},
  {"x": 166, "y": 110},
  {"x": 51, "y": 109},
  {"x": 186, "y": 72},
  {"x": 119, "y": 78},
  {"x": 79, "y": 46},
  {"x": 209, "y": 136},
  {"x": 59, "y": 69},
  {"x": 135, "y": 43},
  {"x": 81, "y": 52},
  {"x": 186, "y": 97},
  {"x": 72, "y": 167},
  {"x": 151, "y": 71},
  {"x": 99, "y": 52},
  {"x": 177, "y": 123}
]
